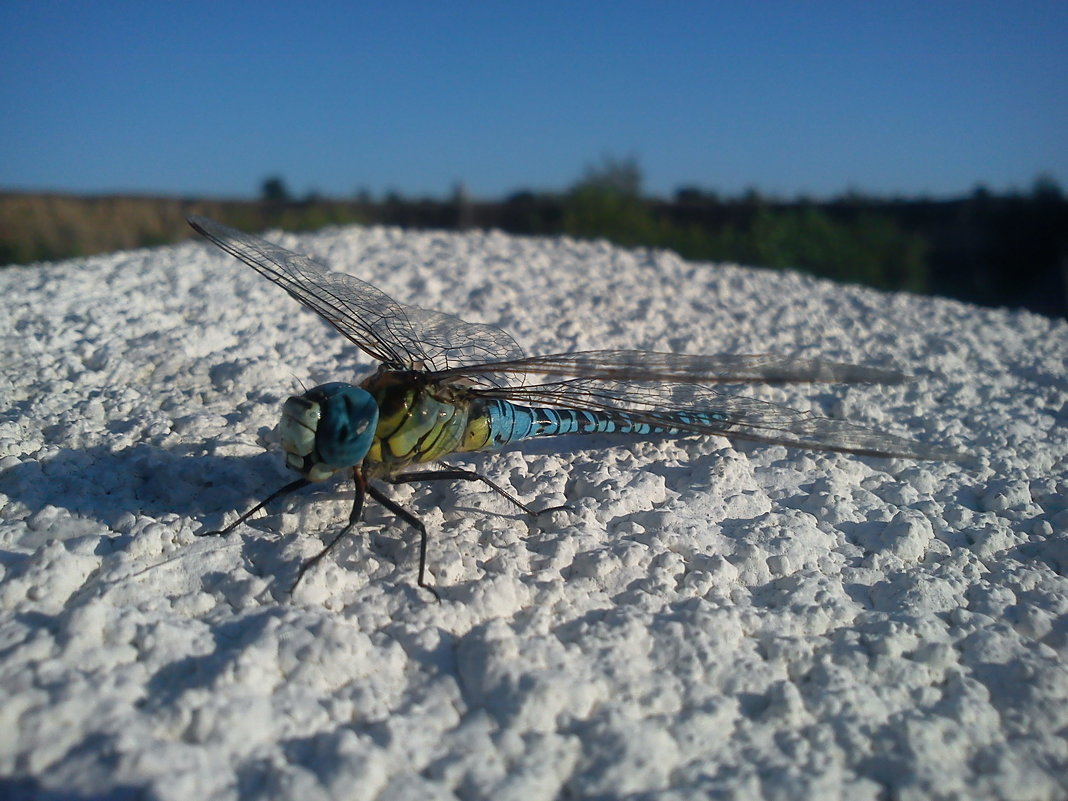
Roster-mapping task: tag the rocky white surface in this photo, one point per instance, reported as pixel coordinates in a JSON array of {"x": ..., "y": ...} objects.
[{"x": 710, "y": 620}]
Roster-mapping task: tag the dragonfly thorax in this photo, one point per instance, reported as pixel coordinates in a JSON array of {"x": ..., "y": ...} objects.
[{"x": 328, "y": 428}]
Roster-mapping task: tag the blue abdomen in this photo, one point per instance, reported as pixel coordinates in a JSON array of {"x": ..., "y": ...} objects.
[{"x": 497, "y": 423}]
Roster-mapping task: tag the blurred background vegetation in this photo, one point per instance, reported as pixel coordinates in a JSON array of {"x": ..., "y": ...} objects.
[{"x": 996, "y": 250}]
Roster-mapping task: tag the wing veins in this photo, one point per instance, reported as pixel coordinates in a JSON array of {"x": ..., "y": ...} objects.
[
  {"x": 397, "y": 334},
  {"x": 748, "y": 418},
  {"x": 635, "y": 365}
]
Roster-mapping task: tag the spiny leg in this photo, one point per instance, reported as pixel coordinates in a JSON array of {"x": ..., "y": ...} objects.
[
  {"x": 354, "y": 517},
  {"x": 415, "y": 523},
  {"x": 469, "y": 475},
  {"x": 288, "y": 488}
]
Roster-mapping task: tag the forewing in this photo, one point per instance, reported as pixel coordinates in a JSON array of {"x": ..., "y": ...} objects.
[
  {"x": 702, "y": 409},
  {"x": 401, "y": 336},
  {"x": 637, "y": 365}
]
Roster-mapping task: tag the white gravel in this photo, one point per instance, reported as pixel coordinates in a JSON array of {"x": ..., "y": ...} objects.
[{"x": 743, "y": 622}]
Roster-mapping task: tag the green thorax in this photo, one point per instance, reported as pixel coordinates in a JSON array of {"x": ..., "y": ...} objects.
[{"x": 415, "y": 423}]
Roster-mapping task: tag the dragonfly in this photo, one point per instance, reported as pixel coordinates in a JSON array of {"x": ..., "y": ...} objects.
[{"x": 445, "y": 386}]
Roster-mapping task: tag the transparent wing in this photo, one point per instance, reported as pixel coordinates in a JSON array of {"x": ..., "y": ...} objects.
[
  {"x": 638, "y": 365},
  {"x": 662, "y": 389},
  {"x": 704, "y": 410},
  {"x": 401, "y": 336}
]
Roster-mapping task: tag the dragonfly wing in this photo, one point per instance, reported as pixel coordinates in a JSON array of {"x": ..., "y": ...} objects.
[
  {"x": 401, "y": 336},
  {"x": 704, "y": 410},
  {"x": 637, "y": 365}
]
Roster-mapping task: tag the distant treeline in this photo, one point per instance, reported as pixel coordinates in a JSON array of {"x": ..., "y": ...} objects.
[{"x": 995, "y": 250}]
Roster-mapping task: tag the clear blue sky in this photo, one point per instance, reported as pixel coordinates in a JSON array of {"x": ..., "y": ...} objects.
[{"x": 816, "y": 97}]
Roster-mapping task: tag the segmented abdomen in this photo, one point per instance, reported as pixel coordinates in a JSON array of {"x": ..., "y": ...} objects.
[{"x": 492, "y": 424}]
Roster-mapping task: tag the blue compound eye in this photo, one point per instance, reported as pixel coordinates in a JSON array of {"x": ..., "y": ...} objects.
[{"x": 347, "y": 422}]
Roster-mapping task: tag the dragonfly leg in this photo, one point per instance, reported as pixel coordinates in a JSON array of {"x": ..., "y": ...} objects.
[
  {"x": 288, "y": 488},
  {"x": 415, "y": 523},
  {"x": 468, "y": 475},
  {"x": 354, "y": 518}
]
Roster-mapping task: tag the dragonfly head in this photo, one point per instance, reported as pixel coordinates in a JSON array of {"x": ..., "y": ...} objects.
[{"x": 328, "y": 428}]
